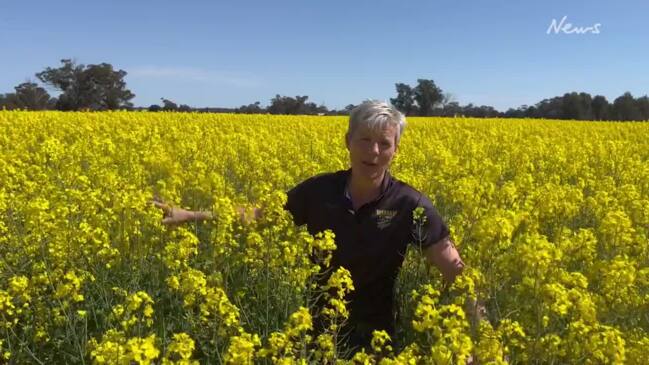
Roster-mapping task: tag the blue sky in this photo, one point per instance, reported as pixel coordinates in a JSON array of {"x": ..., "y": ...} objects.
[{"x": 229, "y": 53}]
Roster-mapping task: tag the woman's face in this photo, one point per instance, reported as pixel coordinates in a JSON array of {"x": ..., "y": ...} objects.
[{"x": 372, "y": 151}]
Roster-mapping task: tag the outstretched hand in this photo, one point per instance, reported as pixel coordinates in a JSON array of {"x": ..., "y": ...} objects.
[
  {"x": 172, "y": 216},
  {"x": 247, "y": 216}
]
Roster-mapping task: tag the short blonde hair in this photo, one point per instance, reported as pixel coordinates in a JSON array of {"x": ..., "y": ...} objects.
[{"x": 376, "y": 114}]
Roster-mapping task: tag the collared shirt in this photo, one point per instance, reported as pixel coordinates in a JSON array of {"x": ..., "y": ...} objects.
[{"x": 371, "y": 241}]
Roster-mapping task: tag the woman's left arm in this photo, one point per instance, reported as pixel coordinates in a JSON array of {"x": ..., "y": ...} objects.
[{"x": 446, "y": 258}]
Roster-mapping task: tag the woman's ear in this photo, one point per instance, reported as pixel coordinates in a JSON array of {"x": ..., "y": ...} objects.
[{"x": 347, "y": 140}]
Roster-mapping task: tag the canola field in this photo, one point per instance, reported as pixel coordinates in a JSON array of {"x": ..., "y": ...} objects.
[{"x": 551, "y": 217}]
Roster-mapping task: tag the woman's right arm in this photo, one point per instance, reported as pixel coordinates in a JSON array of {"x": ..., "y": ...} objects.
[{"x": 176, "y": 215}]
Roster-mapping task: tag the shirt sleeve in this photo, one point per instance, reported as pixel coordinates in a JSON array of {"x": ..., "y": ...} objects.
[
  {"x": 433, "y": 229},
  {"x": 297, "y": 202}
]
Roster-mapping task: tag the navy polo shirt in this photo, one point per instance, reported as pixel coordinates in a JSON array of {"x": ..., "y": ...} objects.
[{"x": 371, "y": 242}]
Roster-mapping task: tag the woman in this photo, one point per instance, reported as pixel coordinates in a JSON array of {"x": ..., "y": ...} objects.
[{"x": 371, "y": 214}]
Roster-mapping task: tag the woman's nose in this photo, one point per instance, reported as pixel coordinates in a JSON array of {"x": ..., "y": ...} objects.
[{"x": 374, "y": 148}]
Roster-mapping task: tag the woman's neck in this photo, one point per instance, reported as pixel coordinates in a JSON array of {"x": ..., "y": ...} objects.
[{"x": 363, "y": 191}]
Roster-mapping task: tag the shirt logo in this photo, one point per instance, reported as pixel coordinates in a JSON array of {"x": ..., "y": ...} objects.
[{"x": 384, "y": 217}]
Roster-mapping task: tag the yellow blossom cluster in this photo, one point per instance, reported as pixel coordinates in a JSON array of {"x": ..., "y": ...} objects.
[{"x": 551, "y": 218}]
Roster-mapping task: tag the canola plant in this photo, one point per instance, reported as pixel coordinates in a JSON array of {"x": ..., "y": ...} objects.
[{"x": 551, "y": 217}]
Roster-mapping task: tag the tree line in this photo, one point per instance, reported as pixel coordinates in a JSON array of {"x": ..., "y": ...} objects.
[
  {"x": 101, "y": 87},
  {"x": 81, "y": 87}
]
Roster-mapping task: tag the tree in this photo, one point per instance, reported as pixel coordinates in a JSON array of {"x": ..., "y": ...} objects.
[
  {"x": 344, "y": 111},
  {"x": 548, "y": 108},
  {"x": 28, "y": 95},
  {"x": 348, "y": 109},
  {"x": 96, "y": 87},
  {"x": 298, "y": 105},
  {"x": 642, "y": 104},
  {"x": 447, "y": 98},
  {"x": 168, "y": 105},
  {"x": 600, "y": 107},
  {"x": 625, "y": 108},
  {"x": 287, "y": 105},
  {"x": 423, "y": 99},
  {"x": 482, "y": 111},
  {"x": 254, "y": 108},
  {"x": 405, "y": 100},
  {"x": 452, "y": 109},
  {"x": 428, "y": 96},
  {"x": 576, "y": 106}
]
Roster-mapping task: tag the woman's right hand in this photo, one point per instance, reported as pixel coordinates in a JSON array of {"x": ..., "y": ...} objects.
[{"x": 173, "y": 216}]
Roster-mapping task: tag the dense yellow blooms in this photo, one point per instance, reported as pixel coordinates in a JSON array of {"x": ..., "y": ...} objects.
[
  {"x": 113, "y": 350},
  {"x": 551, "y": 218},
  {"x": 179, "y": 351},
  {"x": 242, "y": 349}
]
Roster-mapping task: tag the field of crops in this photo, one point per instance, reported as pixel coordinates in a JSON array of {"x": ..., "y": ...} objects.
[{"x": 551, "y": 217}]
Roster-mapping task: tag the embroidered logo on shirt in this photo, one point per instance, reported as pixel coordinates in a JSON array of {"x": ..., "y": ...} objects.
[{"x": 384, "y": 217}]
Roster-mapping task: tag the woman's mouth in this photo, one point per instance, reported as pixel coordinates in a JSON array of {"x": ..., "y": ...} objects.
[{"x": 369, "y": 164}]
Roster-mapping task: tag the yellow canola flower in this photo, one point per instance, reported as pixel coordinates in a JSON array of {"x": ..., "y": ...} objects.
[
  {"x": 179, "y": 351},
  {"x": 551, "y": 218},
  {"x": 242, "y": 349},
  {"x": 115, "y": 348},
  {"x": 142, "y": 351}
]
